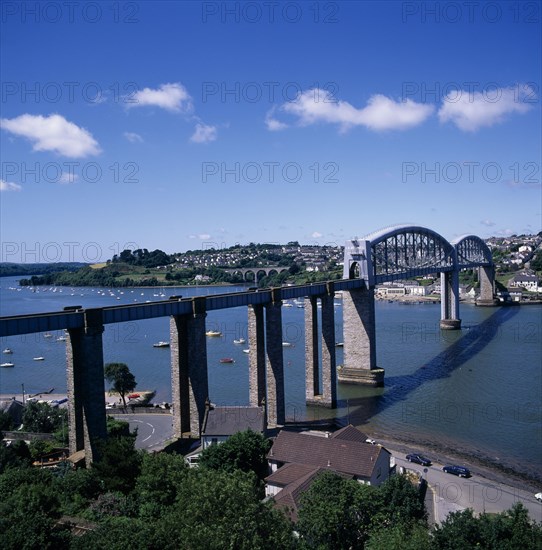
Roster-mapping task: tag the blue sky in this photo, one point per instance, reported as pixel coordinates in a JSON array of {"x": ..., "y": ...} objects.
[{"x": 182, "y": 125}]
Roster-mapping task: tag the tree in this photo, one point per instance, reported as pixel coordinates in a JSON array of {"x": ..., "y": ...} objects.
[
  {"x": 244, "y": 451},
  {"x": 42, "y": 418},
  {"x": 158, "y": 484},
  {"x": 122, "y": 380},
  {"x": 508, "y": 530},
  {"x": 401, "y": 501},
  {"x": 336, "y": 513},
  {"x": 459, "y": 531},
  {"x": 29, "y": 509},
  {"x": 6, "y": 422},
  {"x": 119, "y": 464},
  {"x": 400, "y": 537},
  {"x": 216, "y": 510},
  {"x": 536, "y": 262}
]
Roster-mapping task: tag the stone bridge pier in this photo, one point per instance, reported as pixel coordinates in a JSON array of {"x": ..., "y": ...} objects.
[
  {"x": 486, "y": 276},
  {"x": 266, "y": 363},
  {"x": 360, "y": 339},
  {"x": 86, "y": 385},
  {"x": 320, "y": 392},
  {"x": 190, "y": 387},
  {"x": 449, "y": 300}
]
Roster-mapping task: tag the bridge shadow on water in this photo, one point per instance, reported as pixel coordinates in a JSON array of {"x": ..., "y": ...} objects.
[{"x": 472, "y": 341}]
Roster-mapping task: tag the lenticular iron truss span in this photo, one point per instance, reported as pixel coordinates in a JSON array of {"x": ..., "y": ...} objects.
[
  {"x": 472, "y": 252},
  {"x": 404, "y": 251}
]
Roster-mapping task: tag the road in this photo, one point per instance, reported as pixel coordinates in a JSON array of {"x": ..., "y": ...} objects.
[
  {"x": 453, "y": 493},
  {"x": 153, "y": 430}
]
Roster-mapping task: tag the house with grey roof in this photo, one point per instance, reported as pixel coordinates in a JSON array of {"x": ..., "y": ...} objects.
[
  {"x": 526, "y": 280},
  {"x": 220, "y": 423}
]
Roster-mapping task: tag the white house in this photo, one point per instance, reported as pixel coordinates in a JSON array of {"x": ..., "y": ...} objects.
[{"x": 528, "y": 281}]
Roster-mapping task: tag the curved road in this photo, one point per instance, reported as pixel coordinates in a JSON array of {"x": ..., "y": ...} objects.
[{"x": 153, "y": 430}]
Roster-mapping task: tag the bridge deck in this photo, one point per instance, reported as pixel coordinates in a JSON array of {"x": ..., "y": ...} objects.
[{"x": 58, "y": 320}]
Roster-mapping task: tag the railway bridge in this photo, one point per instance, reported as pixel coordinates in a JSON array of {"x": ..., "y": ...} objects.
[{"x": 394, "y": 253}]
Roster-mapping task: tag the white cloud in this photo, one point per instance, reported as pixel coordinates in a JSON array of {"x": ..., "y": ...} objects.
[
  {"x": 9, "y": 186},
  {"x": 487, "y": 223},
  {"x": 472, "y": 111},
  {"x": 316, "y": 235},
  {"x": 204, "y": 236},
  {"x": 132, "y": 137},
  {"x": 381, "y": 112},
  {"x": 68, "y": 177},
  {"x": 53, "y": 133},
  {"x": 274, "y": 125},
  {"x": 204, "y": 133},
  {"x": 171, "y": 97}
]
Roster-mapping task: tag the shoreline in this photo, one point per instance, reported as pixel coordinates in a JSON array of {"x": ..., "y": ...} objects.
[{"x": 477, "y": 461}]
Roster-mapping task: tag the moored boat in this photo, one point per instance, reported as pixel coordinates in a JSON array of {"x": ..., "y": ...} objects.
[
  {"x": 213, "y": 333},
  {"x": 227, "y": 360},
  {"x": 7, "y": 364},
  {"x": 161, "y": 344}
]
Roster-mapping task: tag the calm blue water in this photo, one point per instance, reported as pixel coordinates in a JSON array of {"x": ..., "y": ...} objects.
[{"x": 478, "y": 389}]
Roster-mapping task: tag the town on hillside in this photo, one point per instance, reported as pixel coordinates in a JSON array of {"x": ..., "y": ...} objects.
[{"x": 518, "y": 266}]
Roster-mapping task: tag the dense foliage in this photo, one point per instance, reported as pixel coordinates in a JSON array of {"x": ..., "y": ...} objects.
[
  {"x": 14, "y": 269},
  {"x": 134, "y": 500},
  {"x": 245, "y": 451}
]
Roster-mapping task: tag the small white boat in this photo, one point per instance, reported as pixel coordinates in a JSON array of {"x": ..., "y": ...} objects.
[
  {"x": 246, "y": 351},
  {"x": 286, "y": 344},
  {"x": 161, "y": 345},
  {"x": 213, "y": 333},
  {"x": 47, "y": 335},
  {"x": 7, "y": 350},
  {"x": 40, "y": 358},
  {"x": 7, "y": 364},
  {"x": 61, "y": 339},
  {"x": 239, "y": 341}
]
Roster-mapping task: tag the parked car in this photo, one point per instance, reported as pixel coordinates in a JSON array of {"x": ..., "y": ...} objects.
[
  {"x": 419, "y": 459},
  {"x": 457, "y": 470},
  {"x": 538, "y": 497}
]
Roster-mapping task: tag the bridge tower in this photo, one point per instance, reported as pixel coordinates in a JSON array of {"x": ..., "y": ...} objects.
[{"x": 359, "y": 327}]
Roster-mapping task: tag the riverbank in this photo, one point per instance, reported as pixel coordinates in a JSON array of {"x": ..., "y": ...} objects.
[
  {"x": 491, "y": 468},
  {"x": 112, "y": 399}
]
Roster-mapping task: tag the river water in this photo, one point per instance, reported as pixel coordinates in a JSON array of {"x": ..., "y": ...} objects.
[{"x": 478, "y": 390}]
